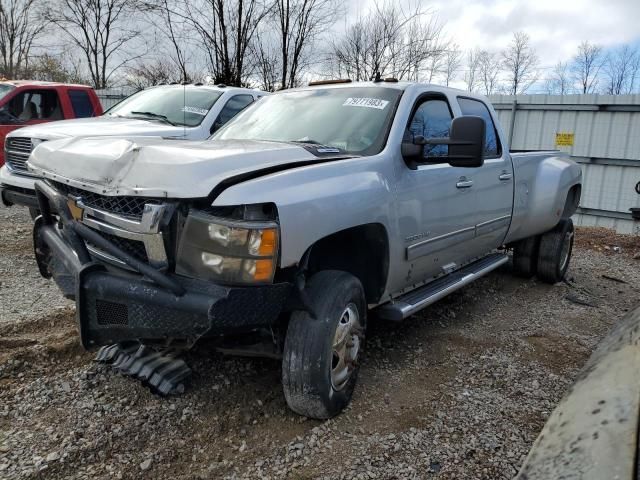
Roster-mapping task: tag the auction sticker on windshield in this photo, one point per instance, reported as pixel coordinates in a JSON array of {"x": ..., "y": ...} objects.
[
  {"x": 365, "y": 102},
  {"x": 196, "y": 110}
]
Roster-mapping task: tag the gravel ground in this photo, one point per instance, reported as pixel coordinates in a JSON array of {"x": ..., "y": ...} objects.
[{"x": 459, "y": 391}]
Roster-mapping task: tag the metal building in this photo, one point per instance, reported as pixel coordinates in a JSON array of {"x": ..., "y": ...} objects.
[{"x": 601, "y": 132}]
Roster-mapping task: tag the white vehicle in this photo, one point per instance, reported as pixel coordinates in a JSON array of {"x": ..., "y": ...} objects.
[{"x": 187, "y": 112}]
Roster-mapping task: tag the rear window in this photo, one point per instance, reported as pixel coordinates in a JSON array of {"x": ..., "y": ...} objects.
[
  {"x": 81, "y": 103},
  {"x": 474, "y": 107}
]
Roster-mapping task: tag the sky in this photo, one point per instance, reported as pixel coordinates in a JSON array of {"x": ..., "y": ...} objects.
[{"x": 556, "y": 27}]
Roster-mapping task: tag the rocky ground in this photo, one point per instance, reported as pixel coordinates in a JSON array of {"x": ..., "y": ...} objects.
[{"x": 459, "y": 391}]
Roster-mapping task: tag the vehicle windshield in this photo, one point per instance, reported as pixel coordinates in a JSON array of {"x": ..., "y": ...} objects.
[
  {"x": 355, "y": 120},
  {"x": 184, "y": 106},
  {"x": 5, "y": 88}
]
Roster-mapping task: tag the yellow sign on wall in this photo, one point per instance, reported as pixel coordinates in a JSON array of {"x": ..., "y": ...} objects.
[{"x": 564, "y": 139}]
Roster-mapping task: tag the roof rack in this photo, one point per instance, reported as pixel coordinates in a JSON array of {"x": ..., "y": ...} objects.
[
  {"x": 221, "y": 85},
  {"x": 329, "y": 82},
  {"x": 391, "y": 80}
]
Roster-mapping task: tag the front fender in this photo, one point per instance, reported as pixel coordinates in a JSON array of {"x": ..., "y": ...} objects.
[{"x": 315, "y": 201}]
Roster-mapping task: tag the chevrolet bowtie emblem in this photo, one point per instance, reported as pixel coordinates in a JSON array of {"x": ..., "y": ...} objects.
[{"x": 75, "y": 210}]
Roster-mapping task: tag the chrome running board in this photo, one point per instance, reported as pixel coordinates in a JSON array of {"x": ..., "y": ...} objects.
[{"x": 414, "y": 301}]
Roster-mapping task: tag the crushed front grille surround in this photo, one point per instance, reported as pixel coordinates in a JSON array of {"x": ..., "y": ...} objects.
[{"x": 126, "y": 206}]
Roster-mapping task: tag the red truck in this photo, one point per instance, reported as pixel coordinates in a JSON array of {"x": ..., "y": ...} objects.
[{"x": 27, "y": 102}]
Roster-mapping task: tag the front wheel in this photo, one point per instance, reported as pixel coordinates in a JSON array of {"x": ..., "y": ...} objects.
[
  {"x": 320, "y": 361},
  {"x": 555, "y": 252}
]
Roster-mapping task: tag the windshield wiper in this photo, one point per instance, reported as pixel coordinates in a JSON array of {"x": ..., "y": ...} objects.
[
  {"x": 156, "y": 115},
  {"x": 315, "y": 142}
]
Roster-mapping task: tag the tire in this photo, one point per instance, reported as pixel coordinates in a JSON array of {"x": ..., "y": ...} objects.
[
  {"x": 34, "y": 212},
  {"x": 525, "y": 257},
  {"x": 317, "y": 381},
  {"x": 555, "y": 252}
]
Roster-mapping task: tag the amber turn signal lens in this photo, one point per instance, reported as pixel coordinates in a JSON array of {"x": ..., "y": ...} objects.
[
  {"x": 264, "y": 270},
  {"x": 268, "y": 242}
]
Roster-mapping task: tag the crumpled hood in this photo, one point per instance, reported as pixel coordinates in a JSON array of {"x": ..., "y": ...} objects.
[
  {"x": 104, "y": 126},
  {"x": 154, "y": 167}
]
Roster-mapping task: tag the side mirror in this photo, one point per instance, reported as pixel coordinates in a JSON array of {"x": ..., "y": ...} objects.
[{"x": 466, "y": 144}]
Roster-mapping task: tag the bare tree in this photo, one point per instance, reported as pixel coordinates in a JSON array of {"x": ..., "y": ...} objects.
[
  {"x": 391, "y": 41},
  {"x": 299, "y": 23},
  {"x": 586, "y": 66},
  {"x": 452, "y": 62},
  {"x": 471, "y": 73},
  {"x": 20, "y": 27},
  {"x": 149, "y": 73},
  {"x": 488, "y": 71},
  {"x": 102, "y": 30},
  {"x": 226, "y": 29},
  {"x": 172, "y": 28},
  {"x": 559, "y": 81},
  {"x": 521, "y": 64},
  {"x": 434, "y": 67},
  {"x": 266, "y": 60},
  {"x": 60, "y": 67},
  {"x": 621, "y": 69}
]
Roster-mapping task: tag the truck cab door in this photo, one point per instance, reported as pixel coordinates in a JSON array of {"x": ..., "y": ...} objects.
[
  {"x": 493, "y": 183},
  {"x": 435, "y": 201}
]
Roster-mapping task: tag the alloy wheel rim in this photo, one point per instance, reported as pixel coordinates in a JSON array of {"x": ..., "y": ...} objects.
[
  {"x": 346, "y": 347},
  {"x": 564, "y": 252}
]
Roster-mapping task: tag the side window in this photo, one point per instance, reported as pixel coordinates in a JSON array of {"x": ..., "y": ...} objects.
[
  {"x": 36, "y": 105},
  {"x": 234, "y": 106},
  {"x": 470, "y": 106},
  {"x": 432, "y": 119},
  {"x": 81, "y": 103}
]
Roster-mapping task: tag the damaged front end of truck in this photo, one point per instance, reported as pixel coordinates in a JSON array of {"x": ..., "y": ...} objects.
[{"x": 151, "y": 276}]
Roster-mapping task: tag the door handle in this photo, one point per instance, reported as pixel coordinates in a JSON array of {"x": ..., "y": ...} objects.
[
  {"x": 504, "y": 176},
  {"x": 464, "y": 184}
]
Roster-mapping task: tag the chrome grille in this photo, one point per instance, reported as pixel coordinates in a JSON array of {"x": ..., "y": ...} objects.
[
  {"x": 131, "y": 224},
  {"x": 16, "y": 153},
  {"x": 134, "y": 248},
  {"x": 129, "y": 207}
]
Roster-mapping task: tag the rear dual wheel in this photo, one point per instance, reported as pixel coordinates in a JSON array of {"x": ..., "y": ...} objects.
[
  {"x": 556, "y": 247},
  {"x": 320, "y": 361},
  {"x": 547, "y": 255}
]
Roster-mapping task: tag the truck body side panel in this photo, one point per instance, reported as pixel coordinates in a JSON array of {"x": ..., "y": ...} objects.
[{"x": 542, "y": 183}]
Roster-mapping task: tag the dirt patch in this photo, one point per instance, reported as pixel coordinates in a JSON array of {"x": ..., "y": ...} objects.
[
  {"x": 460, "y": 390},
  {"x": 607, "y": 241}
]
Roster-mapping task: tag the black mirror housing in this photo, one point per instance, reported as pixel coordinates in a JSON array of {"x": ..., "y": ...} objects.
[
  {"x": 466, "y": 147},
  {"x": 466, "y": 144}
]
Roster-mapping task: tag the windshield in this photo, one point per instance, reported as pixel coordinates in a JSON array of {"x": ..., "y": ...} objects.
[
  {"x": 354, "y": 120},
  {"x": 5, "y": 88},
  {"x": 175, "y": 105}
]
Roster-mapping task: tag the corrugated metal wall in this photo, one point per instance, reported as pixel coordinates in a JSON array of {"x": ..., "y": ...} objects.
[{"x": 606, "y": 142}]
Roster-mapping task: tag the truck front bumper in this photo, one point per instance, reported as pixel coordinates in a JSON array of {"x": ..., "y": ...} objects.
[
  {"x": 113, "y": 305},
  {"x": 17, "y": 189}
]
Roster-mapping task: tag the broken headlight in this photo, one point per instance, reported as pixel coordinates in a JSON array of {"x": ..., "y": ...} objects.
[{"x": 227, "y": 251}]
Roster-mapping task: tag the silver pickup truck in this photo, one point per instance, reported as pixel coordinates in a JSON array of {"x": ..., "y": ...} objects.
[{"x": 309, "y": 210}]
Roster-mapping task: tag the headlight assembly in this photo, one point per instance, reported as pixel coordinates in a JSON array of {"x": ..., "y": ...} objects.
[{"x": 227, "y": 251}]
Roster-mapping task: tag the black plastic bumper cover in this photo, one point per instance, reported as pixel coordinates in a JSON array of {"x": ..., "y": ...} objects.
[
  {"x": 113, "y": 307},
  {"x": 18, "y": 196}
]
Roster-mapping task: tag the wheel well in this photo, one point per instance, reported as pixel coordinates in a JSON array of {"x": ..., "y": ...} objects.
[
  {"x": 572, "y": 201},
  {"x": 363, "y": 251}
]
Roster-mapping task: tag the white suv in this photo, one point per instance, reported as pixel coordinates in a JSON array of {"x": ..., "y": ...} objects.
[{"x": 189, "y": 112}]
